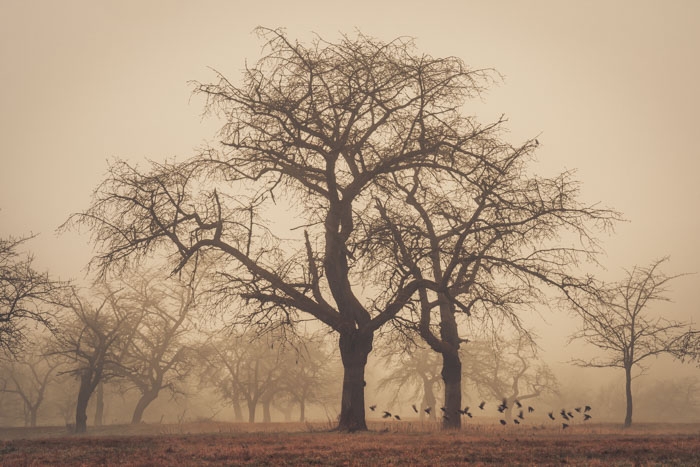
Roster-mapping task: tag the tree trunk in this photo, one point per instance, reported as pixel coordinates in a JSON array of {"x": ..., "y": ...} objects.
[
  {"x": 145, "y": 400},
  {"x": 354, "y": 349},
  {"x": 266, "y": 411},
  {"x": 84, "y": 394},
  {"x": 452, "y": 377},
  {"x": 251, "y": 411},
  {"x": 32, "y": 415},
  {"x": 100, "y": 405},
  {"x": 628, "y": 393},
  {"x": 237, "y": 412},
  {"x": 302, "y": 410}
]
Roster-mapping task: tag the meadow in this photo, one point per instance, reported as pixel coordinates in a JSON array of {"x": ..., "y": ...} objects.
[{"x": 390, "y": 443}]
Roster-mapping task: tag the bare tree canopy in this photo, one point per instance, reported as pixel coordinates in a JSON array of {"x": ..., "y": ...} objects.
[
  {"x": 26, "y": 295},
  {"x": 359, "y": 140},
  {"x": 616, "y": 319}
]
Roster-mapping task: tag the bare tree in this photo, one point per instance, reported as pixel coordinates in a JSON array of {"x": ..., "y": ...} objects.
[
  {"x": 616, "y": 319},
  {"x": 507, "y": 369},
  {"x": 94, "y": 340},
  {"x": 159, "y": 355},
  {"x": 243, "y": 367},
  {"x": 414, "y": 375},
  {"x": 25, "y": 294},
  {"x": 28, "y": 377},
  {"x": 344, "y": 135}
]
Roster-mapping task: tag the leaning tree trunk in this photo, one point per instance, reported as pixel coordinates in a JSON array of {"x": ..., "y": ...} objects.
[
  {"x": 628, "y": 393},
  {"x": 354, "y": 349},
  {"x": 145, "y": 400},
  {"x": 84, "y": 393}
]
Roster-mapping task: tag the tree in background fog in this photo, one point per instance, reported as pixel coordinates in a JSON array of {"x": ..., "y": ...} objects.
[
  {"x": 93, "y": 339},
  {"x": 507, "y": 369},
  {"x": 159, "y": 355},
  {"x": 26, "y": 295},
  {"x": 615, "y": 317}
]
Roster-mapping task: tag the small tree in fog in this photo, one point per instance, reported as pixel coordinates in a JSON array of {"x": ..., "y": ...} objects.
[
  {"x": 93, "y": 339},
  {"x": 158, "y": 356},
  {"x": 507, "y": 369},
  {"x": 28, "y": 377},
  {"x": 26, "y": 295},
  {"x": 616, "y": 319},
  {"x": 413, "y": 376}
]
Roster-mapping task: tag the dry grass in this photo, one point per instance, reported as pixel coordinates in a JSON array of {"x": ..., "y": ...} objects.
[{"x": 386, "y": 444}]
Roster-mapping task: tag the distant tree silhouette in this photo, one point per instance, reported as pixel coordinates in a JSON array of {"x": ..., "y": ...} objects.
[{"x": 616, "y": 319}]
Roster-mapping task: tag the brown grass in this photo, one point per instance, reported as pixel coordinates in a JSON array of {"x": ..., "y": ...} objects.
[{"x": 386, "y": 444}]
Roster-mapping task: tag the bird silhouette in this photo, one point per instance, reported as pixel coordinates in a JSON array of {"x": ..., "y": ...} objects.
[
  {"x": 586, "y": 417},
  {"x": 397, "y": 417},
  {"x": 481, "y": 406},
  {"x": 517, "y": 402},
  {"x": 578, "y": 409},
  {"x": 427, "y": 410},
  {"x": 564, "y": 426},
  {"x": 587, "y": 408},
  {"x": 516, "y": 421},
  {"x": 443, "y": 409},
  {"x": 570, "y": 414},
  {"x": 469, "y": 415},
  {"x": 372, "y": 407},
  {"x": 503, "y": 422},
  {"x": 386, "y": 414},
  {"x": 530, "y": 409},
  {"x": 520, "y": 415},
  {"x": 551, "y": 415},
  {"x": 415, "y": 409},
  {"x": 446, "y": 417}
]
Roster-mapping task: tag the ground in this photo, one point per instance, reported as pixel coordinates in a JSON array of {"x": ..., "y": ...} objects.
[{"x": 393, "y": 443}]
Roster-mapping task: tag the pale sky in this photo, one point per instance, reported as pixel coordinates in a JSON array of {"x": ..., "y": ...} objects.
[{"x": 609, "y": 88}]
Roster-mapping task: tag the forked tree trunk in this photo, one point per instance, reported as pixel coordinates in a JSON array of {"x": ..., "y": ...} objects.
[
  {"x": 452, "y": 377},
  {"x": 354, "y": 349},
  {"x": 628, "y": 393},
  {"x": 84, "y": 393},
  {"x": 145, "y": 400}
]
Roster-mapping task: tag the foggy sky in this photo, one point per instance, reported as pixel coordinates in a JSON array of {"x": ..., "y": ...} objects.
[{"x": 609, "y": 88}]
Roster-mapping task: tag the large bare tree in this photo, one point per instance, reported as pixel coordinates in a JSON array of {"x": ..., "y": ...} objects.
[
  {"x": 616, "y": 319},
  {"x": 330, "y": 131}
]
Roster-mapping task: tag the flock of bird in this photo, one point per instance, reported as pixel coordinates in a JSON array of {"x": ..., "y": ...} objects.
[{"x": 566, "y": 415}]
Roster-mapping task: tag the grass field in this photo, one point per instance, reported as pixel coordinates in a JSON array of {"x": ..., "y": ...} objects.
[{"x": 394, "y": 443}]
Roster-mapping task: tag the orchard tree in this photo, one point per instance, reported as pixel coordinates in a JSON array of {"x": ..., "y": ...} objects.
[
  {"x": 93, "y": 340},
  {"x": 350, "y": 139},
  {"x": 507, "y": 369},
  {"x": 26, "y": 295},
  {"x": 616, "y": 319},
  {"x": 159, "y": 356}
]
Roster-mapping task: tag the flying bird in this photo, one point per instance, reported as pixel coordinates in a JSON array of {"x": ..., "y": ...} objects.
[
  {"x": 517, "y": 402},
  {"x": 586, "y": 417},
  {"x": 503, "y": 422},
  {"x": 443, "y": 409},
  {"x": 520, "y": 415},
  {"x": 481, "y": 406},
  {"x": 415, "y": 409},
  {"x": 397, "y": 417},
  {"x": 551, "y": 415},
  {"x": 564, "y": 426},
  {"x": 386, "y": 414},
  {"x": 587, "y": 408},
  {"x": 530, "y": 409},
  {"x": 570, "y": 414},
  {"x": 516, "y": 421},
  {"x": 372, "y": 407},
  {"x": 427, "y": 410},
  {"x": 578, "y": 409}
]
